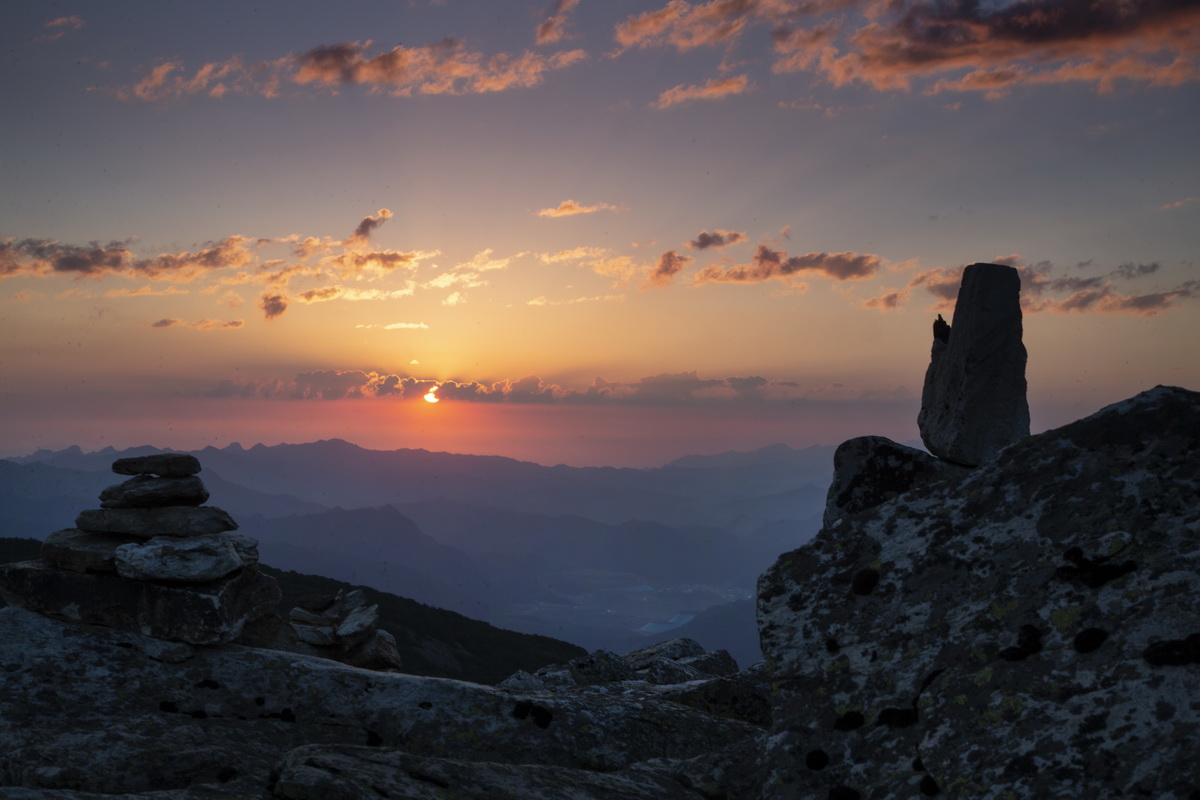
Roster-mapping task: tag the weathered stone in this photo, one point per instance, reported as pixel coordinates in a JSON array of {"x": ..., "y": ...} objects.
[
  {"x": 718, "y": 662},
  {"x": 871, "y": 470},
  {"x": 1006, "y": 633},
  {"x": 85, "y": 710},
  {"x": 599, "y": 666},
  {"x": 246, "y": 546},
  {"x": 344, "y": 772},
  {"x": 188, "y": 612},
  {"x": 745, "y": 696},
  {"x": 306, "y": 617},
  {"x": 673, "y": 649},
  {"x": 195, "y": 559},
  {"x": 358, "y": 624},
  {"x": 379, "y": 651},
  {"x": 149, "y": 522},
  {"x": 522, "y": 681},
  {"x": 144, "y": 491},
  {"x": 973, "y": 403},
  {"x": 81, "y": 551},
  {"x": 321, "y": 636},
  {"x": 164, "y": 465},
  {"x": 665, "y": 672}
]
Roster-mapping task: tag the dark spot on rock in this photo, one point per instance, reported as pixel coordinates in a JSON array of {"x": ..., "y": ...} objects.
[
  {"x": 864, "y": 581},
  {"x": 374, "y": 739},
  {"x": 226, "y": 775},
  {"x": 1090, "y": 572},
  {"x": 843, "y": 793},
  {"x": 1021, "y": 765},
  {"x": 1174, "y": 652},
  {"x": 1163, "y": 710},
  {"x": 929, "y": 787},
  {"x": 849, "y": 721},
  {"x": 1089, "y": 639},
  {"x": 831, "y": 645},
  {"x": 816, "y": 759},
  {"x": 312, "y": 762},
  {"x": 287, "y": 716},
  {"x": 208, "y": 683},
  {"x": 933, "y": 676},
  {"x": 897, "y": 717},
  {"x": 199, "y": 713},
  {"x": 260, "y": 701},
  {"x": 168, "y": 707},
  {"x": 542, "y": 717},
  {"x": 1029, "y": 642},
  {"x": 425, "y": 704},
  {"x": 421, "y": 776},
  {"x": 918, "y": 765},
  {"x": 380, "y": 791}
]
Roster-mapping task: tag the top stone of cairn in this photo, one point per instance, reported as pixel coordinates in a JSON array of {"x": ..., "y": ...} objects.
[{"x": 164, "y": 465}]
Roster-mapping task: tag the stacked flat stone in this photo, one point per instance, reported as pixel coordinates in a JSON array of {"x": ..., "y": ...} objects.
[
  {"x": 153, "y": 558},
  {"x": 345, "y": 627}
]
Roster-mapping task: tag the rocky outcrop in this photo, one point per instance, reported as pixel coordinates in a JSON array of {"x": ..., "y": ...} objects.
[
  {"x": 151, "y": 559},
  {"x": 1027, "y": 631},
  {"x": 973, "y": 402},
  {"x": 344, "y": 627}
]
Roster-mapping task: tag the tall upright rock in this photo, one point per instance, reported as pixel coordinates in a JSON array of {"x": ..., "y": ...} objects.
[{"x": 973, "y": 403}]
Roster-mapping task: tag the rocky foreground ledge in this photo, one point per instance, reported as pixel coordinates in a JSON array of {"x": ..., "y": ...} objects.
[{"x": 1026, "y": 629}]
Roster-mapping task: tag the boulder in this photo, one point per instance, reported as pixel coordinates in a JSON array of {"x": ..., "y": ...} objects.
[
  {"x": 1025, "y": 632},
  {"x": 599, "y": 666},
  {"x": 197, "y": 613},
  {"x": 973, "y": 402},
  {"x": 80, "y": 551},
  {"x": 163, "y": 521},
  {"x": 164, "y": 465},
  {"x": 195, "y": 559},
  {"x": 144, "y": 491},
  {"x": 673, "y": 649},
  {"x": 871, "y": 470},
  {"x": 87, "y": 710},
  {"x": 717, "y": 662}
]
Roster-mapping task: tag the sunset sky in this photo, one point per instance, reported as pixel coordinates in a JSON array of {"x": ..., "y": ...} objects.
[{"x": 601, "y": 232}]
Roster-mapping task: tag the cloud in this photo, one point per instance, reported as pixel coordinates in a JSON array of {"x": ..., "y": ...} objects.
[
  {"x": 768, "y": 264},
  {"x": 445, "y": 67},
  {"x": 200, "y": 325},
  {"x": 575, "y": 254},
  {"x": 273, "y": 305},
  {"x": 712, "y": 89},
  {"x": 607, "y": 298},
  {"x": 44, "y": 257},
  {"x": 887, "y": 301},
  {"x": 60, "y": 26},
  {"x": 1044, "y": 289},
  {"x": 993, "y": 47},
  {"x": 1179, "y": 203},
  {"x": 569, "y": 208},
  {"x": 684, "y": 26},
  {"x": 144, "y": 291},
  {"x": 399, "y": 326},
  {"x": 553, "y": 29},
  {"x": 336, "y": 292},
  {"x": 669, "y": 265},
  {"x": 718, "y": 238},
  {"x": 362, "y": 234}
]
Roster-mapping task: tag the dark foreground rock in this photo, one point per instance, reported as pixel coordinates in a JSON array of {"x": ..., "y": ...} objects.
[{"x": 1029, "y": 631}]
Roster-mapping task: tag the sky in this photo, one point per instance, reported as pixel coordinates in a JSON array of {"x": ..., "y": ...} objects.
[{"x": 595, "y": 231}]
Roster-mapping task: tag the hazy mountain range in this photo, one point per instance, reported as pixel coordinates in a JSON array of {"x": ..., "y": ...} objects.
[{"x": 589, "y": 555}]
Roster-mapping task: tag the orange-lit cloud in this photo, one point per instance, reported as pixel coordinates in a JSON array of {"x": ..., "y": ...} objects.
[
  {"x": 712, "y": 89},
  {"x": 568, "y": 208},
  {"x": 575, "y": 254},
  {"x": 362, "y": 234},
  {"x": 200, "y": 325},
  {"x": 718, "y": 238},
  {"x": 43, "y": 257},
  {"x": 273, "y": 305},
  {"x": 669, "y": 265},
  {"x": 887, "y": 301},
  {"x": 1179, "y": 203},
  {"x": 144, "y": 291},
  {"x": 770, "y": 264},
  {"x": 60, "y": 26},
  {"x": 554, "y": 28}
]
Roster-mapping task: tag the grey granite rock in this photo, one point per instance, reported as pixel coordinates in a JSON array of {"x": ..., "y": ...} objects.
[
  {"x": 197, "y": 613},
  {"x": 973, "y": 402},
  {"x": 164, "y": 465},
  {"x": 194, "y": 559},
  {"x": 673, "y": 649},
  {"x": 144, "y": 491},
  {"x": 871, "y": 470},
  {"x": 86, "y": 710},
  {"x": 164, "y": 521},
  {"x": 1028, "y": 631},
  {"x": 599, "y": 666},
  {"x": 716, "y": 662},
  {"x": 81, "y": 551}
]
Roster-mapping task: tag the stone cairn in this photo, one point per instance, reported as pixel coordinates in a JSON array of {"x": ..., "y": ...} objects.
[
  {"x": 973, "y": 403},
  {"x": 342, "y": 627},
  {"x": 152, "y": 559}
]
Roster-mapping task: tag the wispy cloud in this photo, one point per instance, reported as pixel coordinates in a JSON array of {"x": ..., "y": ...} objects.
[
  {"x": 768, "y": 264},
  {"x": 718, "y": 238},
  {"x": 1179, "y": 203},
  {"x": 568, "y": 208},
  {"x": 669, "y": 265},
  {"x": 60, "y": 26},
  {"x": 712, "y": 89},
  {"x": 554, "y": 27},
  {"x": 398, "y": 326},
  {"x": 200, "y": 325}
]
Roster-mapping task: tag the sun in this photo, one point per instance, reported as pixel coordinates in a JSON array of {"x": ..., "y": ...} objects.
[{"x": 431, "y": 395}]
